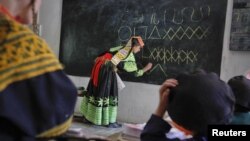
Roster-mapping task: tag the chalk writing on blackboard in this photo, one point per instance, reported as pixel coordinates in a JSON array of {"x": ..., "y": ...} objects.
[
  {"x": 163, "y": 55},
  {"x": 158, "y": 67},
  {"x": 168, "y": 34},
  {"x": 179, "y": 35}
]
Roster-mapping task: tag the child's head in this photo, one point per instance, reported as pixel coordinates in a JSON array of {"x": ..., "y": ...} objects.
[
  {"x": 241, "y": 88},
  {"x": 200, "y": 99}
]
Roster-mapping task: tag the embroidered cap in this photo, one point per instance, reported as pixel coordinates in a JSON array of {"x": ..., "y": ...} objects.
[
  {"x": 199, "y": 100},
  {"x": 124, "y": 52}
]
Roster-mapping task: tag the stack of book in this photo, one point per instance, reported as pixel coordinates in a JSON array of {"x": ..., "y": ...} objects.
[
  {"x": 80, "y": 134},
  {"x": 132, "y": 132}
]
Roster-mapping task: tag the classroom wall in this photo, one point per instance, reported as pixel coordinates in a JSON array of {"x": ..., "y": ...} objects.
[
  {"x": 137, "y": 101},
  {"x": 233, "y": 62},
  {"x": 50, "y": 20}
]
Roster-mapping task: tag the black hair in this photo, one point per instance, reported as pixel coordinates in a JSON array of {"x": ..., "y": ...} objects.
[
  {"x": 134, "y": 42},
  {"x": 210, "y": 100},
  {"x": 32, "y": 2},
  {"x": 241, "y": 88},
  {"x": 241, "y": 109},
  {"x": 199, "y": 71}
]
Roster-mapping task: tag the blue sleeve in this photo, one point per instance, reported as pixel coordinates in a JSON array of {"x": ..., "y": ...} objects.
[{"x": 38, "y": 104}]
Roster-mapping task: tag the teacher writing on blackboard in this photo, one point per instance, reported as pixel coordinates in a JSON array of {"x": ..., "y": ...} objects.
[{"x": 99, "y": 105}]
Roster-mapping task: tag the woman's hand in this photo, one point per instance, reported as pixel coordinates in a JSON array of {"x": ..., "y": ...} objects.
[
  {"x": 147, "y": 67},
  {"x": 163, "y": 94}
]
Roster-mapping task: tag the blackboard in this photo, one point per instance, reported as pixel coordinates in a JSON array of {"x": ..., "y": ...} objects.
[
  {"x": 240, "y": 27},
  {"x": 179, "y": 35}
]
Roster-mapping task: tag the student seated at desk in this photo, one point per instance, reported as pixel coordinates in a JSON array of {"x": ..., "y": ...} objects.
[
  {"x": 36, "y": 97},
  {"x": 193, "y": 101}
]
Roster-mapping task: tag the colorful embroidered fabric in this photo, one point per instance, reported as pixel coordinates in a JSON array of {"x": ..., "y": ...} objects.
[{"x": 37, "y": 99}]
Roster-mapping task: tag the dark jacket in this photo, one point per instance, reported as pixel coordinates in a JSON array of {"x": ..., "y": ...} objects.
[{"x": 156, "y": 129}]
